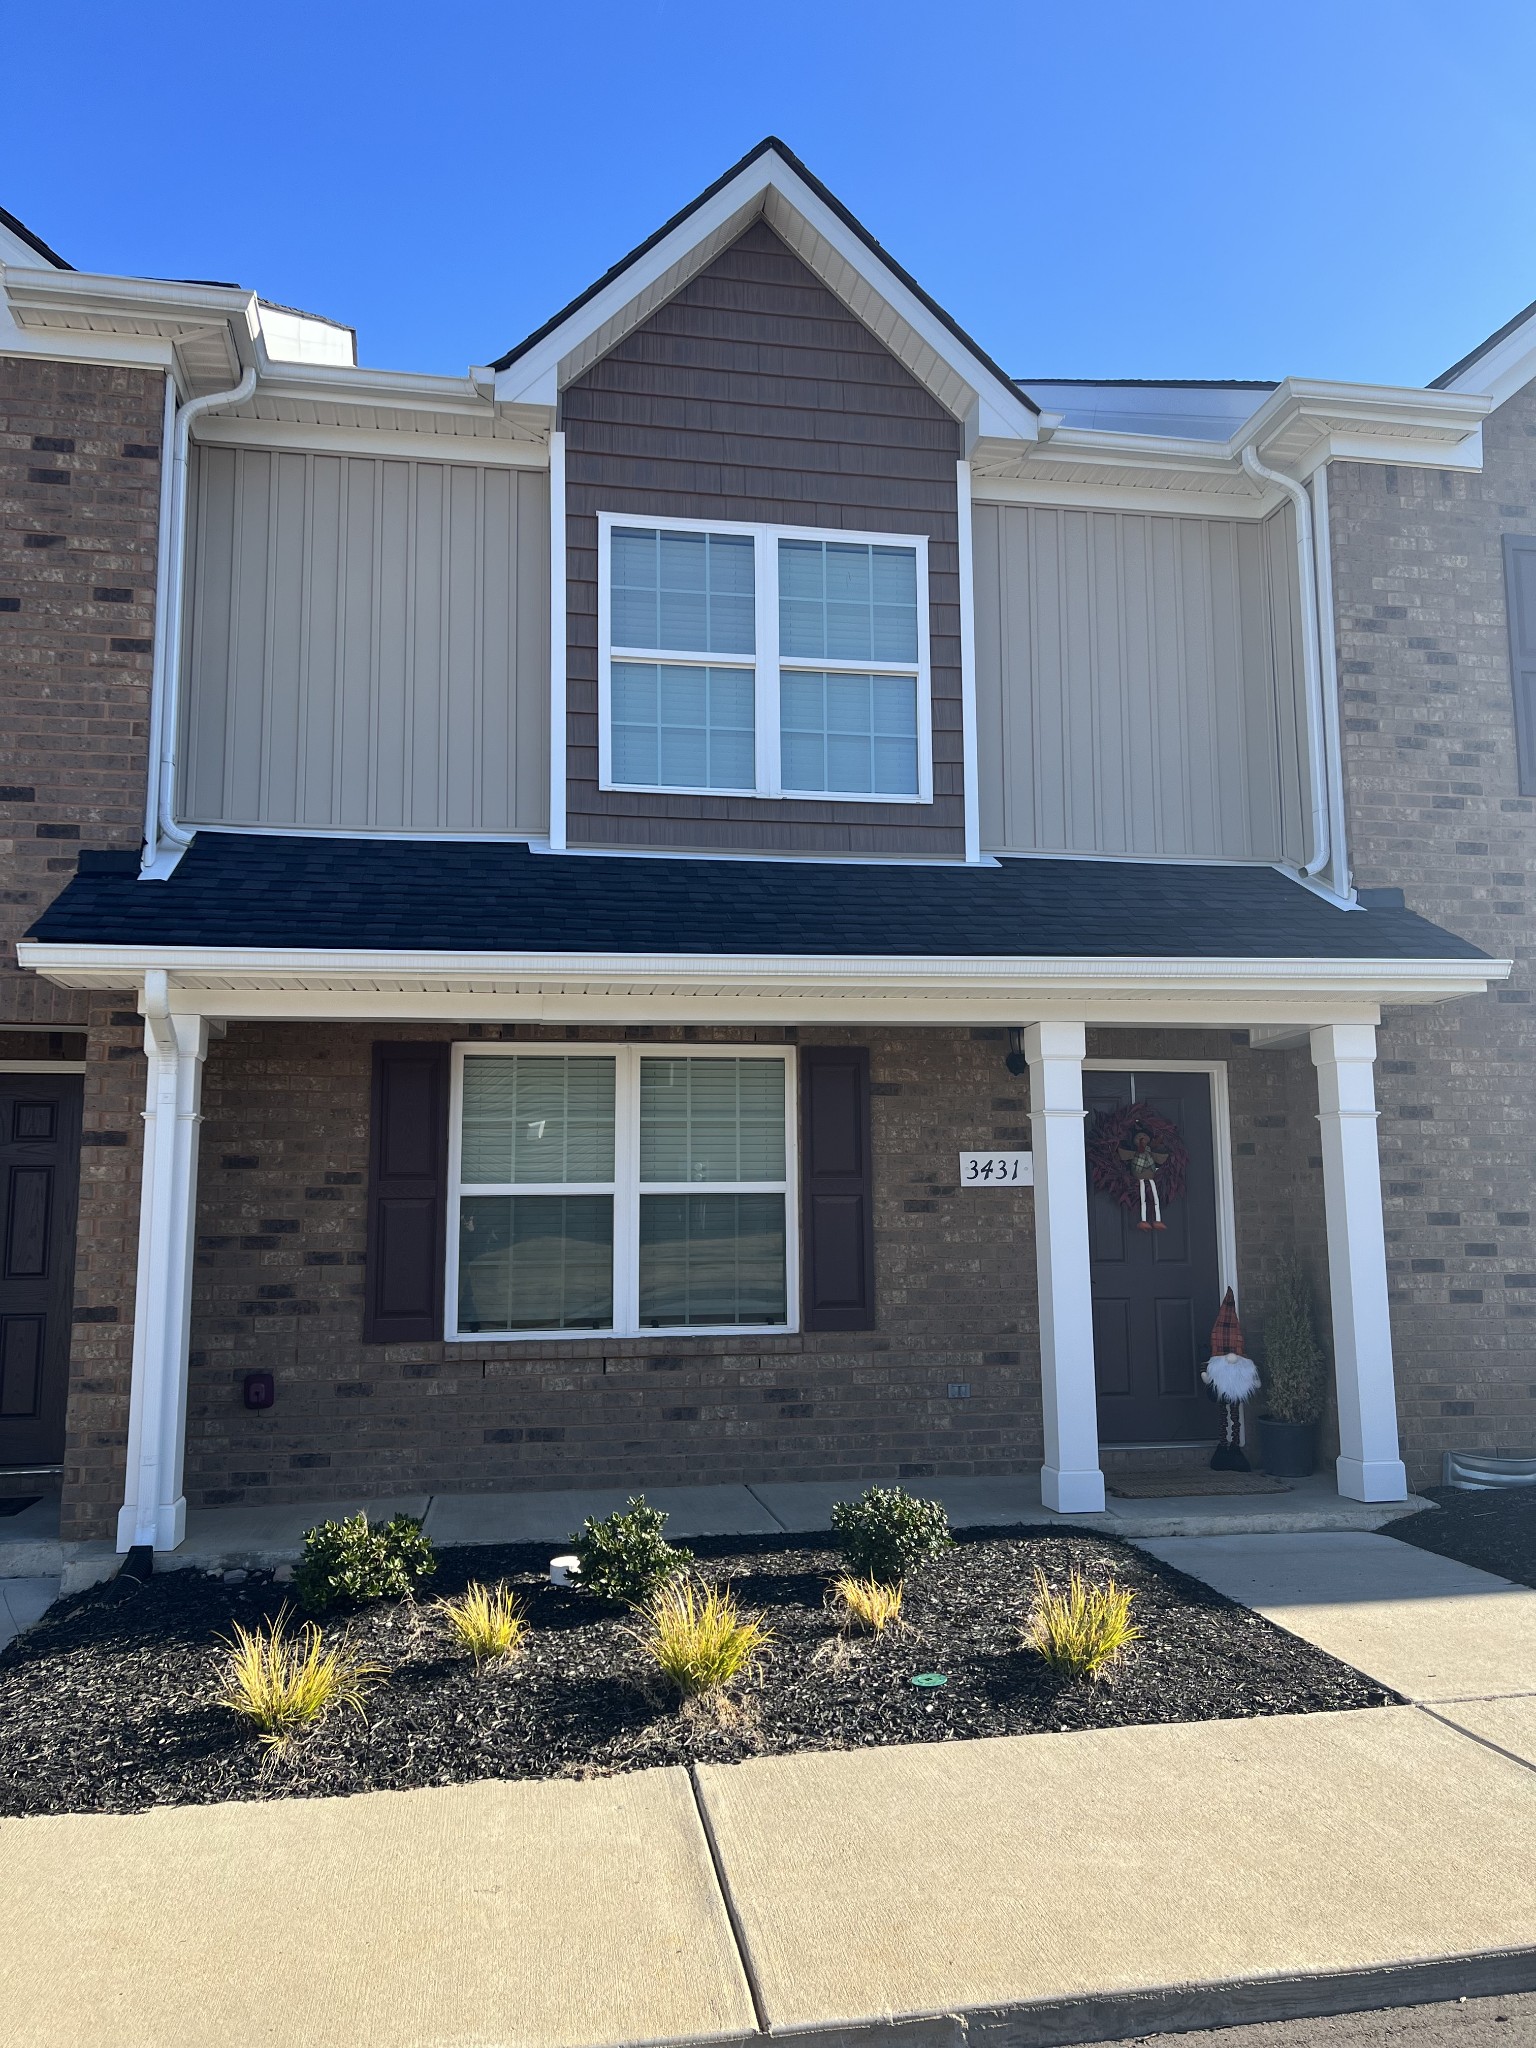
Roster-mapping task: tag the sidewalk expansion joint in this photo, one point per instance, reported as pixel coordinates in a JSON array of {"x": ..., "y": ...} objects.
[
  {"x": 768, "y": 1511},
  {"x": 728, "y": 1900},
  {"x": 1471, "y": 1735}
]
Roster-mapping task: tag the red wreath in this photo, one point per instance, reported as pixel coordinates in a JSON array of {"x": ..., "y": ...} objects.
[{"x": 1112, "y": 1130}]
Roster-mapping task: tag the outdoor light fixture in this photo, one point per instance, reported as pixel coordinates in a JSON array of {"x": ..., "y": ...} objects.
[
  {"x": 1017, "y": 1061},
  {"x": 260, "y": 1390}
]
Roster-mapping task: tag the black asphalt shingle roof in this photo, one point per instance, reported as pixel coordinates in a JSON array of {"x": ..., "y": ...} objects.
[{"x": 260, "y": 891}]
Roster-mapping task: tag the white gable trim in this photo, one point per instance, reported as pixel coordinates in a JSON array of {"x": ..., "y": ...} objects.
[
  {"x": 771, "y": 189},
  {"x": 1502, "y": 370}
]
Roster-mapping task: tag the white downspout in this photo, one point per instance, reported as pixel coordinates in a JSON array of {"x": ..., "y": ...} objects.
[
  {"x": 162, "y": 828},
  {"x": 1322, "y": 537},
  {"x": 1311, "y": 656}
]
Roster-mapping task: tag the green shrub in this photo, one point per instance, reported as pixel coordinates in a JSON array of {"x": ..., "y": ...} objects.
[
  {"x": 625, "y": 1558},
  {"x": 1082, "y": 1631},
  {"x": 886, "y": 1531},
  {"x": 361, "y": 1560},
  {"x": 1295, "y": 1365}
]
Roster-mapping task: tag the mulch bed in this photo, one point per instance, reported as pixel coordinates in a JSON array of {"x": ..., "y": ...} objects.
[
  {"x": 1494, "y": 1530},
  {"x": 106, "y": 1705}
]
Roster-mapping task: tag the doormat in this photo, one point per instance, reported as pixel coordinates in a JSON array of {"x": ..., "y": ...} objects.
[
  {"x": 1192, "y": 1485},
  {"x": 16, "y": 1502}
]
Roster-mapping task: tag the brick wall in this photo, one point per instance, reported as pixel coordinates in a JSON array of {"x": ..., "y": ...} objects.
[
  {"x": 280, "y": 1249},
  {"x": 1434, "y": 807},
  {"x": 79, "y": 507},
  {"x": 79, "y": 511}
]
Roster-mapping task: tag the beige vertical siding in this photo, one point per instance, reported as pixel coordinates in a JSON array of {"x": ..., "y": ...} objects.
[
  {"x": 1138, "y": 684},
  {"x": 368, "y": 645}
]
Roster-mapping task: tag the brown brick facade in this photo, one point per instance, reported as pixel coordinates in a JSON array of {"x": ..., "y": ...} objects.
[
  {"x": 79, "y": 511},
  {"x": 79, "y": 515},
  {"x": 280, "y": 1248},
  {"x": 1435, "y": 808}
]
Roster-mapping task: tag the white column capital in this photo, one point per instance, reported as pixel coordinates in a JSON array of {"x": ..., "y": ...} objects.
[{"x": 1055, "y": 1041}]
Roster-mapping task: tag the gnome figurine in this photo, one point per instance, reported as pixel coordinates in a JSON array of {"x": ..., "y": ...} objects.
[{"x": 1233, "y": 1379}]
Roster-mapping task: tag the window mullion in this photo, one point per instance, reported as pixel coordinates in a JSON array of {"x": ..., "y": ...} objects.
[
  {"x": 766, "y": 598},
  {"x": 626, "y": 1193}
]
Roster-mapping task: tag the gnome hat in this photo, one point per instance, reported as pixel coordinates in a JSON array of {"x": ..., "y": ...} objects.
[
  {"x": 1230, "y": 1374},
  {"x": 1227, "y": 1331}
]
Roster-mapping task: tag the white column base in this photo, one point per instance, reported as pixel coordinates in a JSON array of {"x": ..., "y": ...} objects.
[
  {"x": 1071, "y": 1493},
  {"x": 1380, "y": 1479},
  {"x": 170, "y": 1526}
]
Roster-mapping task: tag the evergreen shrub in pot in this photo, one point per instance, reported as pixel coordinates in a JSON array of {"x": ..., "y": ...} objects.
[{"x": 1295, "y": 1370}]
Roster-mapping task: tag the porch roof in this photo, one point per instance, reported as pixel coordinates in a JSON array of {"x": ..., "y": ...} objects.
[{"x": 268, "y": 891}]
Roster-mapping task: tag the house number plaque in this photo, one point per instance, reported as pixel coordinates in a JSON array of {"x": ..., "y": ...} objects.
[{"x": 997, "y": 1169}]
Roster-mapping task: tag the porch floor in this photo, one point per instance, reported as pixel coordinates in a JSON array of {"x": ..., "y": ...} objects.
[{"x": 253, "y": 1535}]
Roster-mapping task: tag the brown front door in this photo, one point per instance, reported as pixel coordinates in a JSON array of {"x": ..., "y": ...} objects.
[
  {"x": 1155, "y": 1293},
  {"x": 39, "y": 1195}
]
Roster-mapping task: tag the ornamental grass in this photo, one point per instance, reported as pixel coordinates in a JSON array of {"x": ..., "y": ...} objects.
[
  {"x": 489, "y": 1621},
  {"x": 1082, "y": 1631},
  {"x": 284, "y": 1685},
  {"x": 867, "y": 1603},
  {"x": 698, "y": 1638}
]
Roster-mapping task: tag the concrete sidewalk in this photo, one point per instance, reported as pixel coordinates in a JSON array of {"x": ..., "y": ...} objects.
[
  {"x": 1047, "y": 1888},
  {"x": 1432, "y": 1629}
]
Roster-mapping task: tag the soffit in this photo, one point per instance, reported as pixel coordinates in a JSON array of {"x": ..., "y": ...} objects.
[{"x": 211, "y": 331}]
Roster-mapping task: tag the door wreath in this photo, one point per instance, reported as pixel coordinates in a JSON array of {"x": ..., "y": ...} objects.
[{"x": 1137, "y": 1158}]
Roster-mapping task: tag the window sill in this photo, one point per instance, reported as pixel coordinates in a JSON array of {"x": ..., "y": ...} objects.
[
  {"x": 761, "y": 796},
  {"x": 669, "y": 1334}
]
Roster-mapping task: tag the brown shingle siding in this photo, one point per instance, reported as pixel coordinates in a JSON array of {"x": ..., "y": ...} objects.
[{"x": 754, "y": 395}]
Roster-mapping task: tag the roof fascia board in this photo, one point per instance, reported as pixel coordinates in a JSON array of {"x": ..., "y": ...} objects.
[
  {"x": 408, "y": 975},
  {"x": 534, "y": 376},
  {"x": 47, "y": 295},
  {"x": 1303, "y": 416},
  {"x": 1503, "y": 370}
]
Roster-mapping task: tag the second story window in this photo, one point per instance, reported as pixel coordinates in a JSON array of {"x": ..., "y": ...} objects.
[{"x": 763, "y": 661}]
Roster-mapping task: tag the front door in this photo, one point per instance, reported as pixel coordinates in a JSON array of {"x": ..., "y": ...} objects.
[
  {"x": 39, "y": 1195},
  {"x": 1155, "y": 1292}
]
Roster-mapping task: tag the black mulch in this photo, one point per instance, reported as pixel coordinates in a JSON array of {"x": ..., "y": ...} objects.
[
  {"x": 106, "y": 1705},
  {"x": 1494, "y": 1530}
]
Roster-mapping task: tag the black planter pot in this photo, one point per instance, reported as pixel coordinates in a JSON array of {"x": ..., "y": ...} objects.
[{"x": 1287, "y": 1450}]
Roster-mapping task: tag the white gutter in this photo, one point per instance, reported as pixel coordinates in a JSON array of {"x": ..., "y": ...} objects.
[
  {"x": 162, "y": 828},
  {"x": 1311, "y": 656}
]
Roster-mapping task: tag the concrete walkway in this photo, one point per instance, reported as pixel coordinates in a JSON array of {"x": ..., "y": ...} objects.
[
  {"x": 1432, "y": 1629},
  {"x": 255, "y": 1535},
  {"x": 1049, "y": 1888}
]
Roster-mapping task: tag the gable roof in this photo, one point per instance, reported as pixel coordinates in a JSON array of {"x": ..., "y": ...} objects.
[
  {"x": 1499, "y": 366},
  {"x": 770, "y": 182},
  {"x": 33, "y": 242}
]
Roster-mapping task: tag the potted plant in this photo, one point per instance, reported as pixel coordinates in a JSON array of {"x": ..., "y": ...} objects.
[{"x": 1295, "y": 1377}]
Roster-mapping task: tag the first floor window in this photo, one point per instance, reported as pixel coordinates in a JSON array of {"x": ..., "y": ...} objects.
[{"x": 621, "y": 1191}]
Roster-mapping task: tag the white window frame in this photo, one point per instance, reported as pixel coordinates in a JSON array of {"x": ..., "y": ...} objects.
[
  {"x": 766, "y": 662},
  {"x": 626, "y": 1189}
]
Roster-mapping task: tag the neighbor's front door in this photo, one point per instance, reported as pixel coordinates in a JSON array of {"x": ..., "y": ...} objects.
[
  {"x": 39, "y": 1195},
  {"x": 1155, "y": 1293}
]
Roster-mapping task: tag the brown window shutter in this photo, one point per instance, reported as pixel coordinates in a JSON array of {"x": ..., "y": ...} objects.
[
  {"x": 837, "y": 1193},
  {"x": 407, "y": 1194},
  {"x": 1520, "y": 596}
]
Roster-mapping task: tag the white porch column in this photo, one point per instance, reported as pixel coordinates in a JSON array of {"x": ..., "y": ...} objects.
[
  {"x": 154, "y": 1509},
  {"x": 1070, "y": 1479},
  {"x": 1369, "y": 1467}
]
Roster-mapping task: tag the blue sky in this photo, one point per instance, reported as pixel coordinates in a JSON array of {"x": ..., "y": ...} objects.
[{"x": 1156, "y": 189}]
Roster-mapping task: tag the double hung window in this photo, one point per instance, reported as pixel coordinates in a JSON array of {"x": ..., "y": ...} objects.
[
  {"x": 620, "y": 1191},
  {"x": 763, "y": 661}
]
